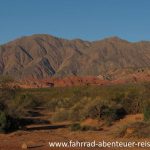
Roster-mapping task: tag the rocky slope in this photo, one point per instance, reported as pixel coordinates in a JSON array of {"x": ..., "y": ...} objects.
[{"x": 42, "y": 56}]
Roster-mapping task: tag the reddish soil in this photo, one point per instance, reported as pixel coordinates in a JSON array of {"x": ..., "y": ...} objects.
[
  {"x": 38, "y": 135},
  {"x": 84, "y": 81}
]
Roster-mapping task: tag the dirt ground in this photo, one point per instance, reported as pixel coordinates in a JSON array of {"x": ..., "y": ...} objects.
[{"x": 38, "y": 135}]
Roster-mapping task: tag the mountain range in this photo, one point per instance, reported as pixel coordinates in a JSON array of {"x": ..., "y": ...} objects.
[{"x": 41, "y": 56}]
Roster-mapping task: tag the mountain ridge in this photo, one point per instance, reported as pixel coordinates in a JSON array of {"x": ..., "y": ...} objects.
[
  {"x": 41, "y": 55},
  {"x": 74, "y": 39}
]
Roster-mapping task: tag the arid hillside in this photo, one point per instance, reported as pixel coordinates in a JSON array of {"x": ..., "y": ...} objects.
[{"x": 42, "y": 56}]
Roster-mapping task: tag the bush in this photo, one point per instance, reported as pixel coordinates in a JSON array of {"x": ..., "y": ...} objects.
[
  {"x": 86, "y": 108},
  {"x": 141, "y": 130},
  {"x": 78, "y": 127},
  {"x": 60, "y": 115},
  {"x": 3, "y": 122},
  {"x": 112, "y": 113},
  {"x": 7, "y": 123},
  {"x": 17, "y": 107},
  {"x": 92, "y": 108},
  {"x": 134, "y": 130},
  {"x": 75, "y": 112},
  {"x": 6, "y": 91},
  {"x": 89, "y": 128},
  {"x": 58, "y": 103},
  {"x": 130, "y": 99},
  {"x": 75, "y": 127},
  {"x": 146, "y": 111},
  {"x": 27, "y": 100}
]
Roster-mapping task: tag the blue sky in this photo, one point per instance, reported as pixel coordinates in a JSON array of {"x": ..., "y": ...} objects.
[{"x": 85, "y": 19}]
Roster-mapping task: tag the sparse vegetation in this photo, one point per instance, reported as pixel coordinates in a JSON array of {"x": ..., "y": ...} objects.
[
  {"x": 146, "y": 111},
  {"x": 108, "y": 103},
  {"x": 22, "y": 102},
  {"x": 137, "y": 129},
  {"x": 3, "y": 122},
  {"x": 78, "y": 127},
  {"x": 8, "y": 123},
  {"x": 13, "y": 105}
]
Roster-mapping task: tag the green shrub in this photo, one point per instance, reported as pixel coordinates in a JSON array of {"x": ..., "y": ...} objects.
[
  {"x": 58, "y": 103},
  {"x": 78, "y": 127},
  {"x": 134, "y": 130},
  {"x": 141, "y": 130},
  {"x": 75, "y": 112},
  {"x": 92, "y": 108},
  {"x": 86, "y": 108},
  {"x": 112, "y": 113},
  {"x": 146, "y": 111},
  {"x": 8, "y": 123},
  {"x": 89, "y": 128},
  {"x": 21, "y": 103},
  {"x": 27, "y": 100},
  {"x": 121, "y": 131},
  {"x": 75, "y": 127},
  {"x": 6, "y": 91},
  {"x": 3, "y": 122},
  {"x": 131, "y": 99},
  {"x": 60, "y": 115}
]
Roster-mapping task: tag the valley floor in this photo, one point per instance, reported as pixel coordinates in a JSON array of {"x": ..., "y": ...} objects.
[{"x": 37, "y": 135}]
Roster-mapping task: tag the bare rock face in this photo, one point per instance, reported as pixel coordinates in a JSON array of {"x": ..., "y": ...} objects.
[{"x": 42, "y": 56}]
